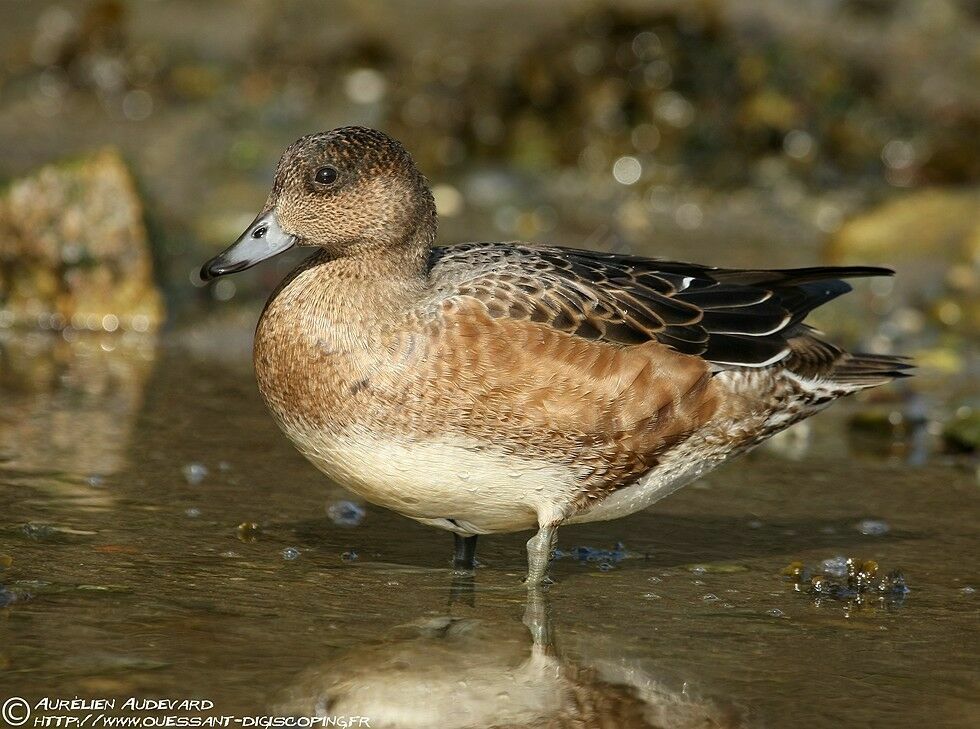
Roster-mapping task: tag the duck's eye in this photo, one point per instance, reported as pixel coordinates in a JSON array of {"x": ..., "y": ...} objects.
[{"x": 326, "y": 175}]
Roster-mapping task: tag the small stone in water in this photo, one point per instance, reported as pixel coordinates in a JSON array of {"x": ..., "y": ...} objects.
[
  {"x": 345, "y": 513},
  {"x": 605, "y": 566},
  {"x": 893, "y": 584},
  {"x": 7, "y": 596},
  {"x": 193, "y": 512},
  {"x": 793, "y": 569},
  {"x": 290, "y": 553},
  {"x": 835, "y": 566},
  {"x": 95, "y": 480},
  {"x": 592, "y": 554},
  {"x": 775, "y": 613},
  {"x": 709, "y": 597},
  {"x": 194, "y": 473},
  {"x": 349, "y": 556},
  {"x": 248, "y": 531},
  {"x": 39, "y": 532},
  {"x": 968, "y": 590},
  {"x": 873, "y": 527}
]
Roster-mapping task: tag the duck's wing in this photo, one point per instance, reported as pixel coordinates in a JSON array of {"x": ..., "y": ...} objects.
[{"x": 729, "y": 317}]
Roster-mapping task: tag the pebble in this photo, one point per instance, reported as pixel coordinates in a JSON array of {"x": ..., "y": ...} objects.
[
  {"x": 873, "y": 527},
  {"x": 6, "y": 596},
  {"x": 345, "y": 513},
  {"x": 835, "y": 566},
  {"x": 194, "y": 473},
  {"x": 248, "y": 531}
]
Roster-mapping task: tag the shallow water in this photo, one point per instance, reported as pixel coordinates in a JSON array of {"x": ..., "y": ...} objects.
[{"x": 129, "y": 575}]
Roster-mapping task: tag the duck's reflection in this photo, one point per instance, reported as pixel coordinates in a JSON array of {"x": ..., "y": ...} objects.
[{"x": 469, "y": 672}]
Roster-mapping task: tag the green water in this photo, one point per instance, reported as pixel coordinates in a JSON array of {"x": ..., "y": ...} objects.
[{"x": 125, "y": 579}]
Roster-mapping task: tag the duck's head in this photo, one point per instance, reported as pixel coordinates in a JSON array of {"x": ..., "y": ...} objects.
[{"x": 344, "y": 190}]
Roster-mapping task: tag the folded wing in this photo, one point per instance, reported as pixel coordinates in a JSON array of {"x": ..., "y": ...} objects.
[{"x": 729, "y": 317}]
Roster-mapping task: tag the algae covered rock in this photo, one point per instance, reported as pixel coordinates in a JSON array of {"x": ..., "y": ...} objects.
[
  {"x": 962, "y": 432},
  {"x": 846, "y": 579},
  {"x": 74, "y": 251}
]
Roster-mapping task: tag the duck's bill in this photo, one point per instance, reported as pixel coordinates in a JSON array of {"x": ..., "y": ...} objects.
[{"x": 262, "y": 240}]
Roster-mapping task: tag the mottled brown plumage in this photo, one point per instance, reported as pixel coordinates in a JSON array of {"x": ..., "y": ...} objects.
[{"x": 496, "y": 386}]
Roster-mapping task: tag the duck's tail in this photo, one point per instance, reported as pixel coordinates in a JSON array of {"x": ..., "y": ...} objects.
[
  {"x": 832, "y": 368},
  {"x": 860, "y": 371}
]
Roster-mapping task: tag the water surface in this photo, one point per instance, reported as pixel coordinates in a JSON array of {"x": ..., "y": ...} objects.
[{"x": 125, "y": 477}]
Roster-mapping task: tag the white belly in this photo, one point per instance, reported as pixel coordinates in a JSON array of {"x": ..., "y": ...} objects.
[
  {"x": 473, "y": 488},
  {"x": 482, "y": 489}
]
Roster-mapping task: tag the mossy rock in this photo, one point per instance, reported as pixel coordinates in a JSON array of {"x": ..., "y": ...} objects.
[
  {"x": 962, "y": 433},
  {"x": 75, "y": 252},
  {"x": 912, "y": 229},
  {"x": 932, "y": 239}
]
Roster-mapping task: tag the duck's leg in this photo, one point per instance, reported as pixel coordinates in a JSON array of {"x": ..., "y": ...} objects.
[
  {"x": 539, "y": 553},
  {"x": 536, "y": 616},
  {"x": 464, "y": 557}
]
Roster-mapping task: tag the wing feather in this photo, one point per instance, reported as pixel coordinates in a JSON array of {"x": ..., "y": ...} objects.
[{"x": 729, "y": 317}]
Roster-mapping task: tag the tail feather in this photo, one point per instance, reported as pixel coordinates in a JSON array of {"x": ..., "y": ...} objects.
[
  {"x": 860, "y": 370},
  {"x": 819, "y": 361},
  {"x": 784, "y": 277}
]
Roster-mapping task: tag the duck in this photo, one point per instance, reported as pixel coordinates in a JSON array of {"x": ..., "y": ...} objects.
[{"x": 491, "y": 387}]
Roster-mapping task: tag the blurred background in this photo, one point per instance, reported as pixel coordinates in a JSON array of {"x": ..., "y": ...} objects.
[
  {"x": 138, "y": 465},
  {"x": 754, "y": 133},
  {"x": 140, "y": 138}
]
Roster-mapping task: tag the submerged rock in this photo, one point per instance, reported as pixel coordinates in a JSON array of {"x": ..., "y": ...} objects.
[
  {"x": 606, "y": 558},
  {"x": 74, "y": 251},
  {"x": 346, "y": 513},
  {"x": 848, "y": 580}
]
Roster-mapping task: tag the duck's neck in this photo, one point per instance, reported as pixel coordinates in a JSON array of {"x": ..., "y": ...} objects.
[
  {"x": 377, "y": 278},
  {"x": 347, "y": 303}
]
